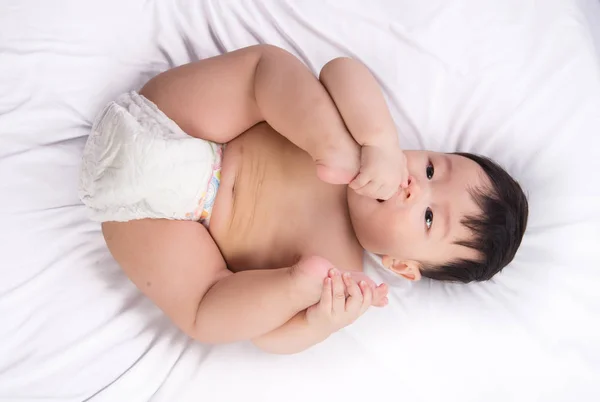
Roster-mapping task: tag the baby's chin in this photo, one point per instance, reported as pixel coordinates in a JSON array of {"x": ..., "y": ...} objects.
[
  {"x": 361, "y": 205},
  {"x": 367, "y": 237},
  {"x": 361, "y": 209}
]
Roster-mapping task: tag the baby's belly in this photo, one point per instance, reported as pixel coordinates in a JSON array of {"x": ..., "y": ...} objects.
[{"x": 262, "y": 208}]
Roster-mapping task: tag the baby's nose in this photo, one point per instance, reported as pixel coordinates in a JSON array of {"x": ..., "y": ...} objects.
[{"x": 411, "y": 193}]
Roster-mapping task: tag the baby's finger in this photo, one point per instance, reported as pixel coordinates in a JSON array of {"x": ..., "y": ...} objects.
[
  {"x": 405, "y": 176},
  {"x": 387, "y": 192},
  {"x": 355, "y": 296},
  {"x": 326, "y": 296},
  {"x": 367, "y": 296},
  {"x": 360, "y": 181},
  {"x": 339, "y": 297},
  {"x": 371, "y": 190}
]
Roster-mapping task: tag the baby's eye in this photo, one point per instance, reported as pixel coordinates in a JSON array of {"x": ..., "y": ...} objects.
[
  {"x": 429, "y": 171},
  {"x": 428, "y": 218}
]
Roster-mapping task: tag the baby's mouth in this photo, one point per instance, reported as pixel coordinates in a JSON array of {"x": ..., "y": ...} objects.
[{"x": 379, "y": 200}]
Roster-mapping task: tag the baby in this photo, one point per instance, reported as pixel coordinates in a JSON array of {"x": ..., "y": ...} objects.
[{"x": 311, "y": 176}]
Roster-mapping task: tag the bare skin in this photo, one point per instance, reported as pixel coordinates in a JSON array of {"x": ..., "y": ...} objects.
[
  {"x": 252, "y": 277},
  {"x": 283, "y": 224},
  {"x": 267, "y": 180}
]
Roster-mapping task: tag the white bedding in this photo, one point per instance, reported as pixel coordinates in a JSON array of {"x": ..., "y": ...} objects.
[{"x": 518, "y": 80}]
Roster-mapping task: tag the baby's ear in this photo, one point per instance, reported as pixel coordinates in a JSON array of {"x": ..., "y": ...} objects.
[{"x": 409, "y": 269}]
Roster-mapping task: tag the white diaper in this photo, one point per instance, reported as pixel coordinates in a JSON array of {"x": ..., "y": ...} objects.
[{"x": 138, "y": 163}]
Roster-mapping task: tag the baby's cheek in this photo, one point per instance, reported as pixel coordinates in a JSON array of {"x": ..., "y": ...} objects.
[
  {"x": 375, "y": 235},
  {"x": 389, "y": 234},
  {"x": 400, "y": 230}
]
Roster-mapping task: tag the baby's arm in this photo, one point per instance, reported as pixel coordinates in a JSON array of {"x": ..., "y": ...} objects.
[
  {"x": 360, "y": 102},
  {"x": 221, "y": 97}
]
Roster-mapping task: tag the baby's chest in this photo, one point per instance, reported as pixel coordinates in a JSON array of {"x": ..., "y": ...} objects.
[
  {"x": 280, "y": 211},
  {"x": 275, "y": 246}
]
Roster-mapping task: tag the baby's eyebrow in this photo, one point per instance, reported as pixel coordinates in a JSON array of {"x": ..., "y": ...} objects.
[
  {"x": 447, "y": 174},
  {"x": 446, "y": 220},
  {"x": 448, "y": 162}
]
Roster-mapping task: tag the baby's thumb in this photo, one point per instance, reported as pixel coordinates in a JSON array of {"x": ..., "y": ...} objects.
[{"x": 405, "y": 180}]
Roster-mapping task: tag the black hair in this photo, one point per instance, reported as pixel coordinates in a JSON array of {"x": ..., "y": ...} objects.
[{"x": 497, "y": 230}]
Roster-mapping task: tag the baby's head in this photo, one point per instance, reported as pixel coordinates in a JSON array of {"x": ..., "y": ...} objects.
[{"x": 461, "y": 218}]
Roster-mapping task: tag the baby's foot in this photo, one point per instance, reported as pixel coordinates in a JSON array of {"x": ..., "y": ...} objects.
[
  {"x": 379, "y": 291},
  {"x": 310, "y": 272},
  {"x": 338, "y": 162},
  {"x": 308, "y": 276},
  {"x": 334, "y": 175}
]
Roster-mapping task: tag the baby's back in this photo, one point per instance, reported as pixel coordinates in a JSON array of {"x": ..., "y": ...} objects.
[{"x": 271, "y": 209}]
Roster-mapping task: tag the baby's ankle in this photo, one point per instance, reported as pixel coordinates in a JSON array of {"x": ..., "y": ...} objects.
[{"x": 338, "y": 161}]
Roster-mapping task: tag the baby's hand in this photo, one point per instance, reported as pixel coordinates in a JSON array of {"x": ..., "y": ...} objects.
[
  {"x": 383, "y": 171},
  {"x": 335, "y": 310}
]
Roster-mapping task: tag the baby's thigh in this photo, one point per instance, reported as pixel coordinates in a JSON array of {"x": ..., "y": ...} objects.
[{"x": 174, "y": 263}]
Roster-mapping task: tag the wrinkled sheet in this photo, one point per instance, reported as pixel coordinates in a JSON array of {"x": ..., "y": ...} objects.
[{"x": 518, "y": 80}]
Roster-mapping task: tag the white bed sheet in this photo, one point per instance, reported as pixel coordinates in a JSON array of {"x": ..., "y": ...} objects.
[
  {"x": 591, "y": 11},
  {"x": 518, "y": 80}
]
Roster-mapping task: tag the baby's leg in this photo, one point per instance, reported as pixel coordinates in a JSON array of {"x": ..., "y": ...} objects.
[
  {"x": 180, "y": 268},
  {"x": 251, "y": 303}
]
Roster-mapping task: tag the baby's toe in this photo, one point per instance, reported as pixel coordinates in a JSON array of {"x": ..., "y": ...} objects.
[{"x": 380, "y": 295}]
